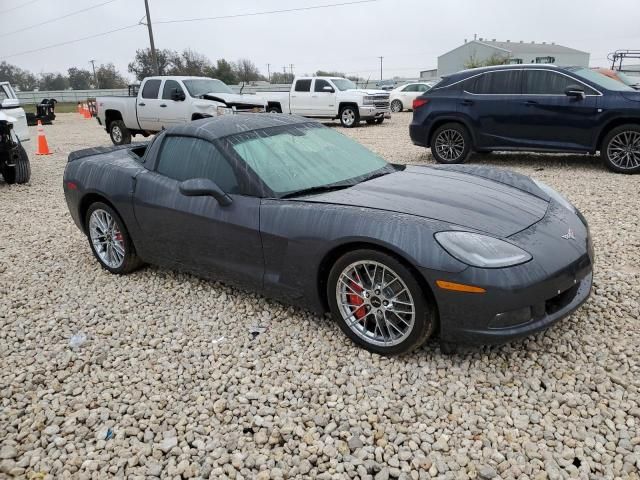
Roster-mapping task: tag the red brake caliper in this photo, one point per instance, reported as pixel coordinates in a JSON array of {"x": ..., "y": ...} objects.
[{"x": 354, "y": 299}]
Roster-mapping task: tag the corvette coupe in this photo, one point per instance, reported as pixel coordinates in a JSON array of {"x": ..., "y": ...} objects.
[{"x": 299, "y": 212}]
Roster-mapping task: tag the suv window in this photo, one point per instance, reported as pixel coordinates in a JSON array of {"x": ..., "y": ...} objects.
[
  {"x": 320, "y": 84},
  {"x": 169, "y": 85},
  {"x": 506, "y": 82},
  {"x": 151, "y": 89},
  {"x": 546, "y": 82},
  {"x": 303, "y": 85},
  {"x": 183, "y": 158}
]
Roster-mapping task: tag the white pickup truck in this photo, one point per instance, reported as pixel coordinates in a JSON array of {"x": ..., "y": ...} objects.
[
  {"x": 162, "y": 102},
  {"x": 10, "y": 104},
  {"x": 330, "y": 97}
]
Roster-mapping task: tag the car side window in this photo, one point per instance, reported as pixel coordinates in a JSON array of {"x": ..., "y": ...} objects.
[
  {"x": 320, "y": 84},
  {"x": 303, "y": 85},
  {"x": 506, "y": 82},
  {"x": 546, "y": 82},
  {"x": 422, "y": 87},
  {"x": 151, "y": 89},
  {"x": 169, "y": 86},
  {"x": 410, "y": 88},
  {"x": 184, "y": 158},
  {"x": 3, "y": 95}
]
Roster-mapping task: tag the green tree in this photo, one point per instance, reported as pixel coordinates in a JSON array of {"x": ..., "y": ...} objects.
[
  {"x": 495, "y": 59},
  {"x": 277, "y": 77},
  {"x": 20, "y": 79},
  {"x": 190, "y": 63},
  {"x": 109, "y": 77},
  {"x": 80, "y": 79},
  {"x": 246, "y": 71},
  {"x": 53, "y": 81},
  {"x": 142, "y": 65},
  {"x": 224, "y": 72}
]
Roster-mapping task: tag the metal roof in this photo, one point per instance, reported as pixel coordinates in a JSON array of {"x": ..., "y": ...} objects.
[{"x": 529, "y": 47}]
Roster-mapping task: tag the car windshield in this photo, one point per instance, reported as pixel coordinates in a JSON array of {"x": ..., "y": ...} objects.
[
  {"x": 343, "y": 84},
  {"x": 199, "y": 87},
  {"x": 601, "y": 80},
  {"x": 296, "y": 158}
]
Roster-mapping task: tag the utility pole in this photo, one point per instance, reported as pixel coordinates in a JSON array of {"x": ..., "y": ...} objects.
[
  {"x": 154, "y": 57},
  {"x": 269, "y": 72},
  {"x": 95, "y": 77},
  {"x": 380, "y": 67},
  {"x": 291, "y": 68}
]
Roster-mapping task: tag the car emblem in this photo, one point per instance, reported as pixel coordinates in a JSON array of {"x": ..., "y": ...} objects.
[{"x": 569, "y": 235}]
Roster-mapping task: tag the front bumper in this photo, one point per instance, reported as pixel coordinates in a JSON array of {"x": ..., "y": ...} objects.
[{"x": 368, "y": 112}]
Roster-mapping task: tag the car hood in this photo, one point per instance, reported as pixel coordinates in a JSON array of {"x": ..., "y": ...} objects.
[
  {"x": 496, "y": 202},
  {"x": 633, "y": 96},
  {"x": 234, "y": 98}
]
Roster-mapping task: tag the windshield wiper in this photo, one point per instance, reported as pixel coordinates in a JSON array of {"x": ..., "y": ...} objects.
[{"x": 320, "y": 189}]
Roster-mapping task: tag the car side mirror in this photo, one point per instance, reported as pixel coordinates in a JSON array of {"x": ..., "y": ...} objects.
[
  {"x": 203, "y": 187},
  {"x": 328, "y": 88},
  {"x": 177, "y": 96},
  {"x": 10, "y": 103},
  {"x": 574, "y": 91}
]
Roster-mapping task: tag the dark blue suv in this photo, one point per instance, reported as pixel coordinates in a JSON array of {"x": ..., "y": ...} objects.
[{"x": 540, "y": 108}]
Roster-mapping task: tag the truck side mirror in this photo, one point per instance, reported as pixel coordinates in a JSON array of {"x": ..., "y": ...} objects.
[
  {"x": 328, "y": 88},
  {"x": 177, "y": 95}
]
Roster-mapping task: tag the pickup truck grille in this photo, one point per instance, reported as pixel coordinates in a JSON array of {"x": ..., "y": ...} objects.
[
  {"x": 382, "y": 103},
  {"x": 243, "y": 107}
]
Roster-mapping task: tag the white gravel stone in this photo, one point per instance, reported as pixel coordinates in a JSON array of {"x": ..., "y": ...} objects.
[{"x": 299, "y": 400}]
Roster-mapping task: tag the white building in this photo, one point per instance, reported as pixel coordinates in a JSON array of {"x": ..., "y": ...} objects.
[{"x": 481, "y": 50}]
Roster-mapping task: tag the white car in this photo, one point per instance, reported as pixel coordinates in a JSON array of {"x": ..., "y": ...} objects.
[{"x": 402, "y": 97}]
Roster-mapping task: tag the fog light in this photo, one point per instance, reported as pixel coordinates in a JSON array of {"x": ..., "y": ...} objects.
[{"x": 511, "y": 319}]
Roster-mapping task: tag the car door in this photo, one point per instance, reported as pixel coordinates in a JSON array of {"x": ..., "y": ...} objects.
[
  {"x": 549, "y": 118},
  {"x": 301, "y": 97},
  {"x": 148, "y": 107},
  {"x": 408, "y": 94},
  {"x": 489, "y": 102},
  {"x": 173, "y": 111},
  {"x": 196, "y": 233},
  {"x": 323, "y": 102}
]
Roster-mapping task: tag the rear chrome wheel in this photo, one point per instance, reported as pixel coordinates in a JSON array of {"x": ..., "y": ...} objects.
[
  {"x": 396, "y": 106},
  {"x": 106, "y": 238},
  {"x": 621, "y": 149},
  {"x": 375, "y": 303},
  {"x": 450, "y": 143},
  {"x": 378, "y": 302},
  {"x": 109, "y": 239}
]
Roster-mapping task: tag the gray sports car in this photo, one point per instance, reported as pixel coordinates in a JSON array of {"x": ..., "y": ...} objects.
[{"x": 297, "y": 211}]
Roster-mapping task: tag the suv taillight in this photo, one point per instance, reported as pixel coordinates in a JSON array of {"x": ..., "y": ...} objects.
[{"x": 419, "y": 102}]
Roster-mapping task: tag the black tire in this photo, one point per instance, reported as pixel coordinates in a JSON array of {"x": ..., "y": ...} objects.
[
  {"x": 119, "y": 133},
  {"x": 453, "y": 134},
  {"x": 349, "y": 116},
  {"x": 396, "y": 106},
  {"x": 379, "y": 120},
  {"x": 130, "y": 261},
  {"x": 624, "y": 136},
  {"x": 371, "y": 121},
  {"x": 274, "y": 109},
  {"x": 21, "y": 171},
  {"x": 425, "y": 319}
]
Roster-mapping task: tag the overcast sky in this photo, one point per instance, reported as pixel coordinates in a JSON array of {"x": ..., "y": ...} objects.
[{"x": 410, "y": 34}]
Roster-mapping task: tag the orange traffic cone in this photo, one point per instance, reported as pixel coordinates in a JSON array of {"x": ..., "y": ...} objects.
[
  {"x": 87, "y": 113},
  {"x": 43, "y": 146},
  {"x": 79, "y": 107}
]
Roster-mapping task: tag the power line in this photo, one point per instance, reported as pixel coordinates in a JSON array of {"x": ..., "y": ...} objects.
[
  {"x": 19, "y": 6},
  {"x": 55, "y": 19},
  {"x": 102, "y": 34},
  {"x": 267, "y": 12}
]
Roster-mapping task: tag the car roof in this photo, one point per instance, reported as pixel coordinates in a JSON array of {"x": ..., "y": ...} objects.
[
  {"x": 213, "y": 128},
  {"x": 524, "y": 66}
]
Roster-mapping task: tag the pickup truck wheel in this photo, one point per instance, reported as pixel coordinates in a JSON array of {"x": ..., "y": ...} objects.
[
  {"x": 349, "y": 116},
  {"x": 109, "y": 239},
  {"x": 274, "y": 109},
  {"x": 379, "y": 120},
  {"x": 120, "y": 134},
  {"x": 20, "y": 172},
  {"x": 371, "y": 121}
]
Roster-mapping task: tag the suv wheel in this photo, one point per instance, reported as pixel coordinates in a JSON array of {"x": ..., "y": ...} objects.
[
  {"x": 621, "y": 149},
  {"x": 451, "y": 143}
]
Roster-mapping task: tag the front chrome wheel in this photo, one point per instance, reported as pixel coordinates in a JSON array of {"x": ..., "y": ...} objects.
[
  {"x": 375, "y": 303},
  {"x": 624, "y": 150},
  {"x": 106, "y": 238},
  {"x": 449, "y": 145},
  {"x": 348, "y": 117}
]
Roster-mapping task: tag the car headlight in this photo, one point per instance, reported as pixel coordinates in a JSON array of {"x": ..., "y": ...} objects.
[
  {"x": 555, "y": 195},
  {"x": 480, "y": 250},
  {"x": 368, "y": 100}
]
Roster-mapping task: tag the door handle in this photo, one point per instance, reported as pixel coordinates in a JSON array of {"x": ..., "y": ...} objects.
[
  {"x": 467, "y": 102},
  {"x": 141, "y": 104},
  {"x": 529, "y": 103},
  {"x": 163, "y": 105},
  {"x": 314, "y": 96}
]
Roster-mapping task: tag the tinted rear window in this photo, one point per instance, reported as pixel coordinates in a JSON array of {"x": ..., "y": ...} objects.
[
  {"x": 303, "y": 85},
  {"x": 505, "y": 82},
  {"x": 151, "y": 89}
]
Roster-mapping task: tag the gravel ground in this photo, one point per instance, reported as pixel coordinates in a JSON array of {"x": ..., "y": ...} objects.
[{"x": 169, "y": 381}]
